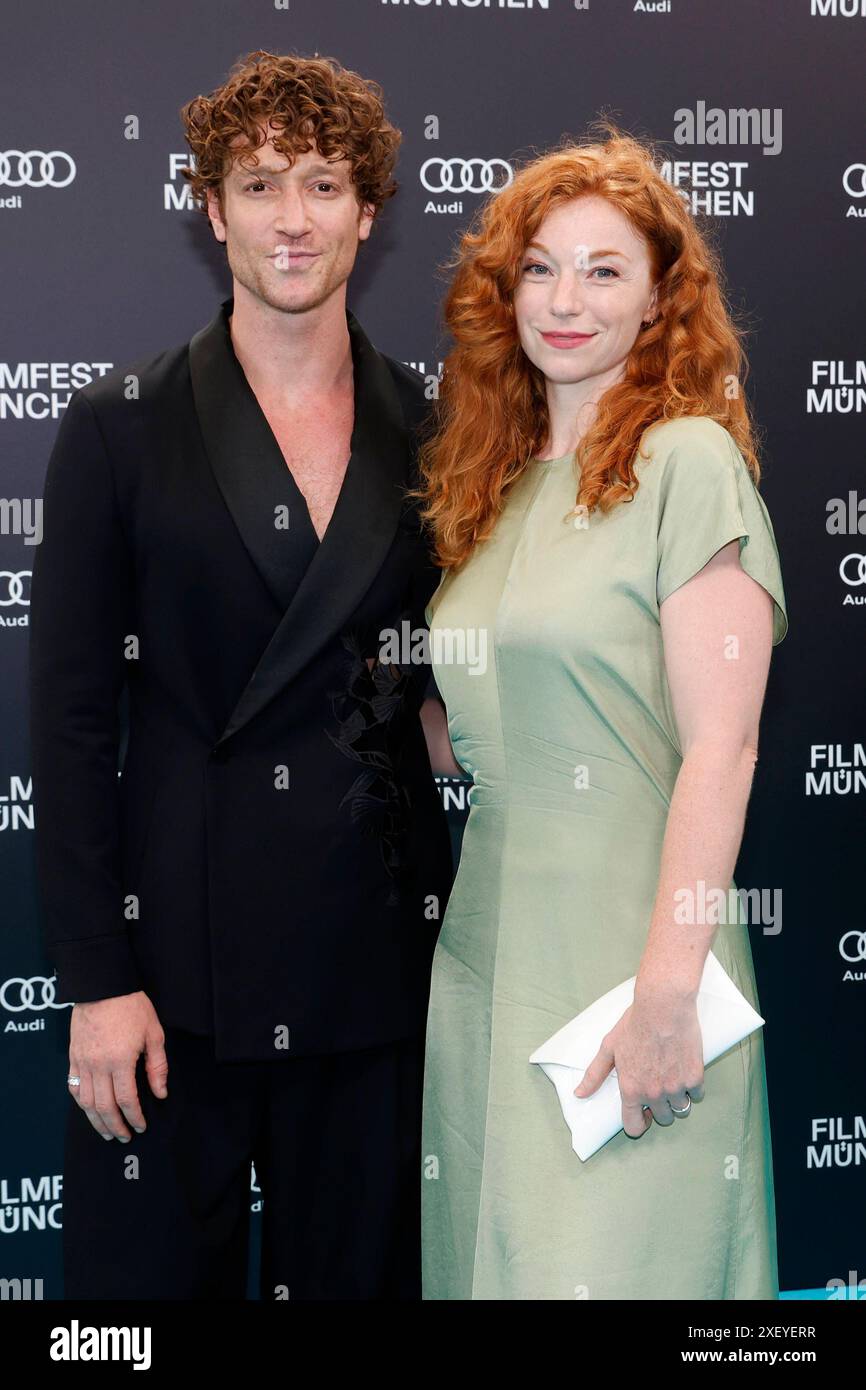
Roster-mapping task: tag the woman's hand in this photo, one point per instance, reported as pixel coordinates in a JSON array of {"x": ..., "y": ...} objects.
[
  {"x": 657, "y": 1050},
  {"x": 434, "y": 722}
]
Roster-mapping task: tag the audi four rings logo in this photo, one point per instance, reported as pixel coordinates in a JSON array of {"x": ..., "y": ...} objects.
[
  {"x": 858, "y": 938},
  {"x": 33, "y": 169},
  {"x": 854, "y": 180},
  {"x": 859, "y": 570},
  {"x": 19, "y": 994},
  {"x": 465, "y": 175},
  {"x": 14, "y": 586}
]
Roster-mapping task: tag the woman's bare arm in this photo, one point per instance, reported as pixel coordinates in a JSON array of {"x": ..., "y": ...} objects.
[
  {"x": 435, "y": 724},
  {"x": 717, "y": 633}
]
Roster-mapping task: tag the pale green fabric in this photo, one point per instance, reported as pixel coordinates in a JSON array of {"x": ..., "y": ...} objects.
[{"x": 554, "y": 895}]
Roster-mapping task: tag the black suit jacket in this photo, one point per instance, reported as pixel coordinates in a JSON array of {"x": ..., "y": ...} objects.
[{"x": 274, "y": 855}]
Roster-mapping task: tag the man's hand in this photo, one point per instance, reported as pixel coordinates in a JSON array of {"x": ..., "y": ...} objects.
[{"x": 106, "y": 1038}]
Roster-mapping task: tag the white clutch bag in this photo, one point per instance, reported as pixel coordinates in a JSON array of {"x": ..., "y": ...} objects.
[{"x": 725, "y": 1017}]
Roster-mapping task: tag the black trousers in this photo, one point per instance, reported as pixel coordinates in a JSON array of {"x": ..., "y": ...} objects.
[{"x": 336, "y": 1142}]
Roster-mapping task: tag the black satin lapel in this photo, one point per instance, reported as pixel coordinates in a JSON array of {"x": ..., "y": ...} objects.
[
  {"x": 358, "y": 537},
  {"x": 247, "y": 462}
]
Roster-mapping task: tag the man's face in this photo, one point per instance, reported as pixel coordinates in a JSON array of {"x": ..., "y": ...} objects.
[{"x": 291, "y": 233}]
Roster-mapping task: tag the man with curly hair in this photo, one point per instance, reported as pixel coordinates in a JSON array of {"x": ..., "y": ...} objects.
[{"x": 244, "y": 920}]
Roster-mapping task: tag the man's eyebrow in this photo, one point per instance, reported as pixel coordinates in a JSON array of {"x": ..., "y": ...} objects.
[
  {"x": 594, "y": 256},
  {"x": 273, "y": 172}
]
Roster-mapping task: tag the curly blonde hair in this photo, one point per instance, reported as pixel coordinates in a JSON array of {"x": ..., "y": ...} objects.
[
  {"x": 309, "y": 101},
  {"x": 491, "y": 416}
]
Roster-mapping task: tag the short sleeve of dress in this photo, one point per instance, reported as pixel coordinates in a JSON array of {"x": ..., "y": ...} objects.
[{"x": 707, "y": 498}]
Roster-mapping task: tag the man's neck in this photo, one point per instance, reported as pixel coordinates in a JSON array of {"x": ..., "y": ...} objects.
[{"x": 292, "y": 358}]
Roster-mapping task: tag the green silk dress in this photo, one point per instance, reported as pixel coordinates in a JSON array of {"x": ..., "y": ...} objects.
[{"x": 555, "y": 891}]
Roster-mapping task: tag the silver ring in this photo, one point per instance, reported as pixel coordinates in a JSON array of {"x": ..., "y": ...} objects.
[
  {"x": 680, "y": 1113},
  {"x": 73, "y": 1080}
]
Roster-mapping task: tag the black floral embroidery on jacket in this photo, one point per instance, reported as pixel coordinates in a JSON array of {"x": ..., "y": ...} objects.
[{"x": 366, "y": 713}]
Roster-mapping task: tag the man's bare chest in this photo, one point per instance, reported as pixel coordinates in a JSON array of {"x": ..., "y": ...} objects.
[{"x": 316, "y": 452}]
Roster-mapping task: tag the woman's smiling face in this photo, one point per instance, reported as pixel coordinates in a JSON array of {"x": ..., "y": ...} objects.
[{"x": 584, "y": 288}]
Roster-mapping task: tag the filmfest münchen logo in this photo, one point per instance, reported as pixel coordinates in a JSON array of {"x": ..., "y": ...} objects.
[
  {"x": 31, "y": 1203},
  {"x": 837, "y": 387},
  {"x": 176, "y": 194},
  {"x": 831, "y": 773},
  {"x": 16, "y": 806},
  {"x": 838, "y": 9},
  {"x": 43, "y": 390}
]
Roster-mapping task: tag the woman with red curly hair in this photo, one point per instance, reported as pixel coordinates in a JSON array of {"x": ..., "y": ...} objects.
[{"x": 611, "y": 566}]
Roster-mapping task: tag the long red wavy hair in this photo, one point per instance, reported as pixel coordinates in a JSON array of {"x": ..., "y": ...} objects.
[{"x": 491, "y": 414}]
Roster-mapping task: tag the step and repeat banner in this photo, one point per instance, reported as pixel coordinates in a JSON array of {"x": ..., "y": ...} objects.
[{"x": 759, "y": 108}]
